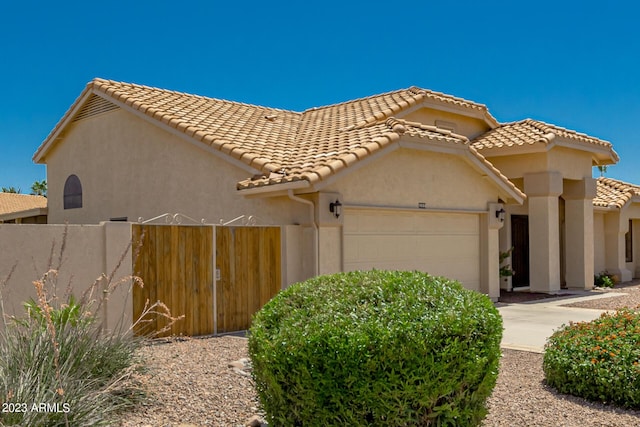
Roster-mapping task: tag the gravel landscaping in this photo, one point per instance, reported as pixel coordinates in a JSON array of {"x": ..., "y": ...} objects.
[{"x": 204, "y": 382}]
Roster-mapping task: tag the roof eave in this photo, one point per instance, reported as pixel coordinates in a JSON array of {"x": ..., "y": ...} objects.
[
  {"x": 601, "y": 154},
  {"x": 23, "y": 214},
  {"x": 272, "y": 190}
]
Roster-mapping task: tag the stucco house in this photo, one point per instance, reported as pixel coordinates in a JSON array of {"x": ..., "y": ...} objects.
[
  {"x": 22, "y": 209},
  {"x": 617, "y": 228},
  {"x": 409, "y": 179}
]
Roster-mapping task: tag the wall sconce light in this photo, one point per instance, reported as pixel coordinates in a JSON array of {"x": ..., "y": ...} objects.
[
  {"x": 335, "y": 208},
  {"x": 500, "y": 214}
]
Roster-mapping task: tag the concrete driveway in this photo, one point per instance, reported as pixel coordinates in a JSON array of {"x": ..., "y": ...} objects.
[{"x": 528, "y": 325}]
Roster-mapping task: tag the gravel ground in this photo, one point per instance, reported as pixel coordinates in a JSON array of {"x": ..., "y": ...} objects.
[
  {"x": 627, "y": 295},
  {"x": 190, "y": 383}
]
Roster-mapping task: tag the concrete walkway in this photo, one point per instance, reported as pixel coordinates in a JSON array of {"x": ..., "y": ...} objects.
[{"x": 528, "y": 325}]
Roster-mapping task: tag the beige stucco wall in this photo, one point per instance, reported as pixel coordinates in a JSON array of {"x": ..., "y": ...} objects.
[
  {"x": 131, "y": 168},
  {"x": 598, "y": 242},
  {"x": 572, "y": 164},
  {"x": 464, "y": 125},
  {"x": 407, "y": 177},
  {"x": 90, "y": 251}
]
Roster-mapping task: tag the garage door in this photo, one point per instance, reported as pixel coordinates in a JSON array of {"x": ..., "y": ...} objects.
[{"x": 441, "y": 244}]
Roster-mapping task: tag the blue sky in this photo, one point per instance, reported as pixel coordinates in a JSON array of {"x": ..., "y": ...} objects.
[{"x": 570, "y": 63}]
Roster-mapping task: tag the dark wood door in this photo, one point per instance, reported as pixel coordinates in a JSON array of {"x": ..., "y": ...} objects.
[{"x": 520, "y": 255}]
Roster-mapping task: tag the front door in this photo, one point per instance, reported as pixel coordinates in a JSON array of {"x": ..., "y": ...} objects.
[{"x": 520, "y": 255}]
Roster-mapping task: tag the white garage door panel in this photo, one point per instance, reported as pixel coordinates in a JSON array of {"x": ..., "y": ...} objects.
[{"x": 440, "y": 244}]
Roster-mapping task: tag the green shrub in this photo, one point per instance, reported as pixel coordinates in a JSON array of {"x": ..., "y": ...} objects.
[
  {"x": 603, "y": 280},
  {"x": 375, "y": 348},
  {"x": 598, "y": 360}
]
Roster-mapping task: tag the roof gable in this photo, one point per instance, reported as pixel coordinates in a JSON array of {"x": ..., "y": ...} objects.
[
  {"x": 512, "y": 138},
  {"x": 257, "y": 136}
]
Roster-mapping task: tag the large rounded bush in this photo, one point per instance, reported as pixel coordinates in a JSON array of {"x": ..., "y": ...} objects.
[
  {"x": 598, "y": 360},
  {"x": 375, "y": 348}
]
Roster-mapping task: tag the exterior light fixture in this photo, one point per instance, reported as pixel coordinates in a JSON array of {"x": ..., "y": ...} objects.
[
  {"x": 335, "y": 208},
  {"x": 500, "y": 214}
]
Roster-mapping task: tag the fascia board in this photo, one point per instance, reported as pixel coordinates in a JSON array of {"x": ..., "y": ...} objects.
[{"x": 60, "y": 127}]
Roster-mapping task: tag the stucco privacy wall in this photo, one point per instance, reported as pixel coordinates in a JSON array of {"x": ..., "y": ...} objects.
[
  {"x": 130, "y": 168},
  {"x": 90, "y": 250}
]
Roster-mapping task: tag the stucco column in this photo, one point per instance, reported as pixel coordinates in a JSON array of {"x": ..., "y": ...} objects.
[
  {"x": 578, "y": 196},
  {"x": 615, "y": 227},
  {"x": 543, "y": 190}
]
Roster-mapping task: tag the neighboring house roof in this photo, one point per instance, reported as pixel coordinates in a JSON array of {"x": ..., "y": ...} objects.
[
  {"x": 284, "y": 147},
  {"x": 612, "y": 193},
  {"x": 509, "y": 136},
  {"x": 14, "y": 206}
]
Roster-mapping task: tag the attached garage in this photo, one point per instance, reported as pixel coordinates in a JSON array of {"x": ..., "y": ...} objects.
[{"x": 442, "y": 244}]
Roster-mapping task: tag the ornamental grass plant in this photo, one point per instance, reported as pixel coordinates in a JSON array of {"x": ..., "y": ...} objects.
[
  {"x": 597, "y": 360},
  {"x": 59, "y": 365},
  {"x": 384, "y": 348}
]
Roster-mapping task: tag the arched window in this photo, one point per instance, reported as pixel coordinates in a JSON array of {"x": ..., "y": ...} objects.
[{"x": 72, "y": 193}]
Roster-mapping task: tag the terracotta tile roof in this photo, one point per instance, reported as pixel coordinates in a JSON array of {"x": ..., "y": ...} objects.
[
  {"x": 284, "y": 146},
  {"x": 529, "y": 132},
  {"x": 12, "y": 203},
  {"x": 325, "y": 149},
  {"x": 612, "y": 193},
  {"x": 258, "y": 136}
]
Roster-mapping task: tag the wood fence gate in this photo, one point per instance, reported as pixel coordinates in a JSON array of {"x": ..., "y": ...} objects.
[
  {"x": 248, "y": 273},
  {"x": 176, "y": 264}
]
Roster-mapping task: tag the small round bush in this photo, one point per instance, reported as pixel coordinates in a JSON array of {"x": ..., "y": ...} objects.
[
  {"x": 382, "y": 348},
  {"x": 598, "y": 360}
]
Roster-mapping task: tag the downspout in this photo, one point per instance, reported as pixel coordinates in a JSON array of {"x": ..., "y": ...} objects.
[{"x": 315, "y": 227}]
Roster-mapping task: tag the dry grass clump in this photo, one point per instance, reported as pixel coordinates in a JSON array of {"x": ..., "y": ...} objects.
[{"x": 59, "y": 364}]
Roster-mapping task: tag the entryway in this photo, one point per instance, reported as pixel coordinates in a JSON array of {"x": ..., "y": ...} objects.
[{"x": 520, "y": 254}]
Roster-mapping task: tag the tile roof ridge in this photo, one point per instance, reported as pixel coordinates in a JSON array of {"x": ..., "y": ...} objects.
[
  {"x": 447, "y": 97},
  {"x": 399, "y": 126},
  {"x": 103, "y": 84},
  {"x": 571, "y": 134},
  {"x": 350, "y": 101},
  {"x": 616, "y": 183}
]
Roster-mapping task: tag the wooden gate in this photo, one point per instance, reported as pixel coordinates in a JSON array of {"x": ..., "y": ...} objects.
[
  {"x": 175, "y": 263},
  {"x": 248, "y": 270}
]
